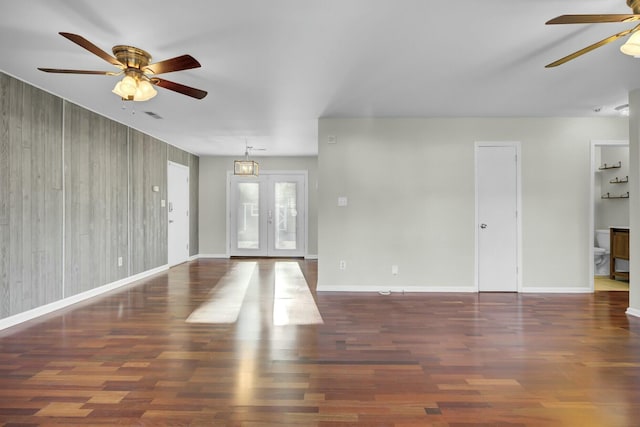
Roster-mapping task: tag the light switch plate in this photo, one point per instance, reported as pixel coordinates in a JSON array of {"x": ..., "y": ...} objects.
[{"x": 342, "y": 201}]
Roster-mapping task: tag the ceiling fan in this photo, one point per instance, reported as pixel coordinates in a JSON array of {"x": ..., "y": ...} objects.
[
  {"x": 632, "y": 47},
  {"x": 139, "y": 74}
]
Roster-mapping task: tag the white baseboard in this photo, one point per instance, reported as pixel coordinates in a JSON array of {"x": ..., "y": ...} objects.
[
  {"x": 432, "y": 289},
  {"x": 225, "y": 256},
  {"x": 220, "y": 256},
  {"x": 65, "y": 302},
  {"x": 633, "y": 312},
  {"x": 554, "y": 290},
  {"x": 392, "y": 289}
]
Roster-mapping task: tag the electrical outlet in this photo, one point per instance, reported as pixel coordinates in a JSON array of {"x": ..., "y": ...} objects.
[
  {"x": 119, "y": 261},
  {"x": 394, "y": 269},
  {"x": 343, "y": 265}
]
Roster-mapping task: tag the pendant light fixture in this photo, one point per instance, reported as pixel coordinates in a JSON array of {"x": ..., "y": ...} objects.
[{"x": 245, "y": 167}]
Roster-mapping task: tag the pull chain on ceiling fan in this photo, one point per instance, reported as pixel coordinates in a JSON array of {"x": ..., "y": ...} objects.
[
  {"x": 631, "y": 47},
  {"x": 139, "y": 76}
]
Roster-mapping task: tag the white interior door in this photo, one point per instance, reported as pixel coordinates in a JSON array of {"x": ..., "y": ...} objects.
[
  {"x": 497, "y": 217},
  {"x": 178, "y": 213},
  {"x": 267, "y": 215}
]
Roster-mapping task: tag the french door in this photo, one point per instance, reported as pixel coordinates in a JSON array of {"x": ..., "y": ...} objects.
[{"x": 267, "y": 215}]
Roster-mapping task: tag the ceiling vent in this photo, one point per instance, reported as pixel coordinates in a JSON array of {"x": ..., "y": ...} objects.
[{"x": 152, "y": 114}]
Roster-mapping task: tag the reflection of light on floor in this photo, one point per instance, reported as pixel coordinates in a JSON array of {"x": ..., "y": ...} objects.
[
  {"x": 293, "y": 303},
  {"x": 225, "y": 300}
]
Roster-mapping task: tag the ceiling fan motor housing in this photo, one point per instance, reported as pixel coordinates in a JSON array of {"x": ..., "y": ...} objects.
[
  {"x": 635, "y": 5},
  {"x": 131, "y": 57}
]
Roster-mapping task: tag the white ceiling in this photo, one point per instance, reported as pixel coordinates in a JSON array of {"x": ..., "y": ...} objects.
[{"x": 273, "y": 67}]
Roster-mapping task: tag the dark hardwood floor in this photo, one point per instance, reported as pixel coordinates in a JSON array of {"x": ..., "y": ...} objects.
[{"x": 129, "y": 358}]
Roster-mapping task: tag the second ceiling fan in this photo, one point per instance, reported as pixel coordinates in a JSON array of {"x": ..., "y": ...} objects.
[{"x": 632, "y": 47}]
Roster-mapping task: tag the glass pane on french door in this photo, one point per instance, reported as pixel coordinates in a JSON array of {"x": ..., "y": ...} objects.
[
  {"x": 248, "y": 215},
  {"x": 286, "y": 196},
  {"x": 267, "y": 215}
]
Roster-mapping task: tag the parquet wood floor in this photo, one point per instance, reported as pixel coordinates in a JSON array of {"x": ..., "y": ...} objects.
[{"x": 129, "y": 358}]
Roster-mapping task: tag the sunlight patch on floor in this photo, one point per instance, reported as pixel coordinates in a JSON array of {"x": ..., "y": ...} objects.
[
  {"x": 225, "y": 300},
  {"x": 293, "y": 303}
]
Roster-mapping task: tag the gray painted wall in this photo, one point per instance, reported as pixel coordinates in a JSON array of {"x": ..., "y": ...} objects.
[
  {"x": 411, "y": 200},
  {"x": 110, "y": 210},
  {"x": 213, "y": 193}
]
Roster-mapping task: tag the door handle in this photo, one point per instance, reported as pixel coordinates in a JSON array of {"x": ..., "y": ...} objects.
[
  {"x": 483, "y": 226},
  {"x": 170, "y": 221}
]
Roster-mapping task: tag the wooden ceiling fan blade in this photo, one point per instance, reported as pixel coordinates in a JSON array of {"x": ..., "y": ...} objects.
[
  {"x": 591, "y": 47},
  {"x": 82, "y": 42},
  {"x": 63, "y": 71},
  {"x": 179, "y": 63},
  {"x": 180, "y": 88},
  {"x": 592, "y": 19}
]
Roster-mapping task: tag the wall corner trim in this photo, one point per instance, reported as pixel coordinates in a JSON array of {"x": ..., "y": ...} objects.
[
  {"x": 633, "y": 312},
  {"x": 66, "y": 302}
]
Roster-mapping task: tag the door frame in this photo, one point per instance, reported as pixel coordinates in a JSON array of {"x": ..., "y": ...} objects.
[
  {"x": 171, "y": 164},
  {"x": 592, "y": 192},
  {"x": 477, "y": 146},
  {"x": 270, "y": 172}
]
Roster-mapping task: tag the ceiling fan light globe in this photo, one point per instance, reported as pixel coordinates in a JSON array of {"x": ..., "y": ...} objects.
[
  {"x": 632, "y": 46},
  {"x": 129, "y": 85},
  {"x": 118, "y": 90},
  {"x": 126, "y": 88},
  {"x": 145, "y": 91}
]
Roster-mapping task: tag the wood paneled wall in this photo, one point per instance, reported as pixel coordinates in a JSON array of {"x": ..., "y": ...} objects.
[
  {"x": 62, "y": 233},
  {"x": 176, "y": 155},
  {"x": 96, "y": 223},
  {"x": 30, "y": 197},
  {"x": 148, "y": 217}
]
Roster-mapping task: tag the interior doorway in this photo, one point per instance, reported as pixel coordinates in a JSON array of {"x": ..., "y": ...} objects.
[
  {"x": 610, "y": 209},
  {"x": 268, "y": 214}
]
